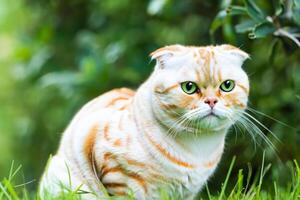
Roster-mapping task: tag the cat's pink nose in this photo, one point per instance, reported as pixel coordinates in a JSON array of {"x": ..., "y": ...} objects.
[{"x": 211, "y": 101}]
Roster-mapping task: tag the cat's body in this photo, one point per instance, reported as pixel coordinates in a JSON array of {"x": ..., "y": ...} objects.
[{"x": 140, "y": 142}]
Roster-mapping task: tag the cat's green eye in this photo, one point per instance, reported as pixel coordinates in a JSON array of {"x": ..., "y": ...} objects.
[
  {"x": 227, "y": 85},
  {"x": 189, "y": 87}
]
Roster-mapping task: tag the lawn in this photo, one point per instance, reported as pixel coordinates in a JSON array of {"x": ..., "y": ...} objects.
[{"x": 243, "y": 189}]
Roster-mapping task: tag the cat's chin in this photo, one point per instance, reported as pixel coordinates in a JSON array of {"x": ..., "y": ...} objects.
[
  {"x": 210, "y": 115},
  {"x": 212, "y": 123}
]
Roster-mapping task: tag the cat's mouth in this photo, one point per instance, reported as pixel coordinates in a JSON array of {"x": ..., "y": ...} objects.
[{"x": 211, "y": 114}]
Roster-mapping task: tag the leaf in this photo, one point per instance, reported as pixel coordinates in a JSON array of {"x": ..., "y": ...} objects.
[
  {"x": 155, "y": 6},
  {"x": 38, "y": 61},
  {"x": 228, "y": 31},
  {"x": 245, "y": 26},
  {"x": 88, "y": 66},
  {"x": 273, "y": 50},
  {"x": 297, "y": 3},
  {"x": 262, "y": 30},
  {"x": 64, "y": 81},
  {"x": 254, "y": 11},
  {"x": 59, "y": 79},
  {"x": 217, "y": 22},
  {"x": 236, "y": 10},
  {"x": 225, "y": 3},
  {"x": 296, "y": 15},
  {"x": 278, "y": 6}
]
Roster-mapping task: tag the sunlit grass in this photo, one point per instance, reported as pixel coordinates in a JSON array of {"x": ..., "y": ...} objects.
[{"x": 242, "y": 189}]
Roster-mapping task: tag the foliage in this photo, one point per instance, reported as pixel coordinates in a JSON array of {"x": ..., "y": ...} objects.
[
  {"x": 57, "y": 55},
  {"x": 282, "y": 21}
]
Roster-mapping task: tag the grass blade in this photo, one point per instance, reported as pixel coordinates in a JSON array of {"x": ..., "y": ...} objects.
[{"x": 227, "y": 178}]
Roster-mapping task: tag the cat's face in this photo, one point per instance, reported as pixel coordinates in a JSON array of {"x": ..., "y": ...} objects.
[{"x": 199, "y": 87}]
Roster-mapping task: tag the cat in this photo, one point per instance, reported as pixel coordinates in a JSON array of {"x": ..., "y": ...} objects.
[{"x": 168, "y": 135}]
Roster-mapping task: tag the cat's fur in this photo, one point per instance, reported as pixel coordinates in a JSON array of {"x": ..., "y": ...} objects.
[{"x": 139, "y": 141}]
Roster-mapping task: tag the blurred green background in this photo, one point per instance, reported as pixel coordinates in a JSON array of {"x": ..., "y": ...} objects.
[{"x": 56, "y": 55}]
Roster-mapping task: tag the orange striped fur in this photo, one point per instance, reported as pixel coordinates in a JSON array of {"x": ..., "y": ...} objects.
[{"x": 90, "y": 141}]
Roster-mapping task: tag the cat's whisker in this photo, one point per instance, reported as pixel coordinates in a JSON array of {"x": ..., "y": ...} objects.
[
  {"x": 174, "y": 126},
  {"x": 198, "y": 128},
  {"x": 245, "y": 119},
  {"x": 191, "y": 115},
  {"x": 235, "y": 130},
  {"x": 180, "y": 122},
  {"x": 266, "y": 128},
  {"x": 270, "y": 117},
  {"x": 240, "y": 122},
  {"x": 244, "y": 125},
  {"x": 252, "y": 126},
  {"x": 233, "y": 124},
  {"x": 186, "y": 122}
]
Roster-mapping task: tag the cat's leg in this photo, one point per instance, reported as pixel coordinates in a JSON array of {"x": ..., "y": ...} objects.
[{"x": 58, "y": 178}]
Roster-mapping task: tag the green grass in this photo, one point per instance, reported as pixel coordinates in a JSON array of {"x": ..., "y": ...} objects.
[{"x": 242, "y": 189}]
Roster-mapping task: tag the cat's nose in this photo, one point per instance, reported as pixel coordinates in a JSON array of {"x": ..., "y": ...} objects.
[{"x": 211, "y": 101}]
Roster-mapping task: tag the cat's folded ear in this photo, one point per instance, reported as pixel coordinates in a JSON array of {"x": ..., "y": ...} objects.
[
  {"x": 161, "y": 55},
  {"x": 240, "y": 55}
]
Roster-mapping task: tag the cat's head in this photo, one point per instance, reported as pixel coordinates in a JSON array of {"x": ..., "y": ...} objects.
[{"x": 199, "y": 87}]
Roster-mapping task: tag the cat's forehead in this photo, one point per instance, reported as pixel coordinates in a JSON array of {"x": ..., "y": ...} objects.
[
  {"x": 207, "y": 65},
  {"x": 209, "y": 62},
  {"x": 226, "y": 54},
  {"x": 176, "y": 56}
]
